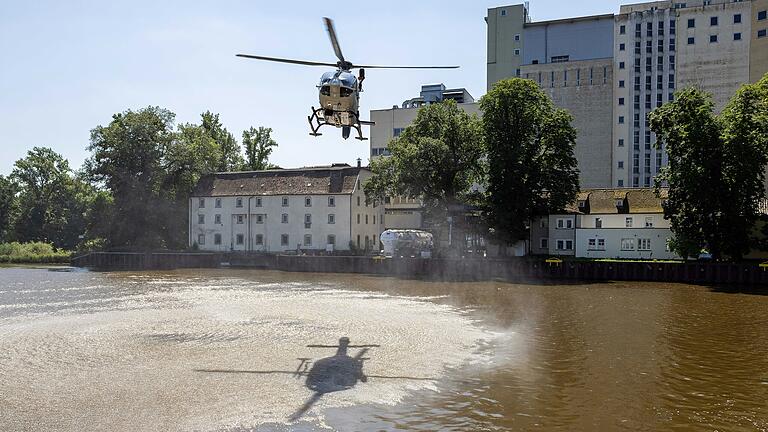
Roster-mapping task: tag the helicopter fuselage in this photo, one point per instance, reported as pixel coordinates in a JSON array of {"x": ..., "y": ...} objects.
[{"x": 339, "y": 95}]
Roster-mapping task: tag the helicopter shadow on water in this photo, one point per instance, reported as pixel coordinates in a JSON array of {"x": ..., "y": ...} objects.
[{"x": 327, "y": 375}]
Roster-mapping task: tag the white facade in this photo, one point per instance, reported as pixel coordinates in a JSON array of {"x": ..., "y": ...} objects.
[
  {"x": 252, "y": 222},
  {"x": 624, "y": 236}
]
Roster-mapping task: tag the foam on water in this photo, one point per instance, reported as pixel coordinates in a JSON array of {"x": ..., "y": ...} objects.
[{"x": 133, "y": 361}]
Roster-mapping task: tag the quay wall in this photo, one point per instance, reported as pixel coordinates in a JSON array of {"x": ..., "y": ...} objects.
[{"x": 513, "y": 269}]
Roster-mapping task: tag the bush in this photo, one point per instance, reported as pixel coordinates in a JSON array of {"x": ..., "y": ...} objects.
[{"x": 33, "y": 252}]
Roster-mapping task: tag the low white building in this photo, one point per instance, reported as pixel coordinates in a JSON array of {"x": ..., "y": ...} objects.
[
  {"x": 316, "y": 208},
  {"x": 606, "y": 223},
  {"x": 624, "y": 224}
]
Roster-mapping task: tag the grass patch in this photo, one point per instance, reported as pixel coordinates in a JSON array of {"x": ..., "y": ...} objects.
[{"x": 32, "y": 253}]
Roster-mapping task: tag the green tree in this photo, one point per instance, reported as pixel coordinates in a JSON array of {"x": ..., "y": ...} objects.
[
  {"x": 128, "y": 160},
  {"x": 716, "y": 170},
  {"x": 258, "y": 144},
  {"x": 7, "y": 208},
  {"x": 52, "y": 201},
  {"x": 437, "y": 158},
  {"x": 229, "y": 158},
  {"x": 531, "y": 163}
]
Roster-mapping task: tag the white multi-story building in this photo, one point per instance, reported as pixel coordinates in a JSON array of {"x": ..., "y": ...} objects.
[{"x": 317, "y": 208}]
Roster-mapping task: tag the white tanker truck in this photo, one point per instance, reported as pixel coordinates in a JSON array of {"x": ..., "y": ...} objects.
[{"x": 406, "y": 243}]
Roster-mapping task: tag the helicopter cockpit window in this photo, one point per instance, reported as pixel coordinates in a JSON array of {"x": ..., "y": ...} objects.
[
  {"x": 325, "y": 90},
  {"x": 345, "y": 92}
]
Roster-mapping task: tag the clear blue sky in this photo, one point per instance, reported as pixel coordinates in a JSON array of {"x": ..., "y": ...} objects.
[{"x": 67, "y": 66}]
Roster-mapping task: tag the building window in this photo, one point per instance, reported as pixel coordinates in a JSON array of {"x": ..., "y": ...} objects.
[
  {"x": 564, "y": 223},
  {"x": 621, "y": 142},
  {"x": 217, "y": 219},
  {"x": 644, "y": 244},
  {"x": 622, "y": 47},
  {"x": 621, "y": 65},
  {"x": 331, "y": 201},
  {"x": 331, "y": 218},
  {"x": 565, "y": 245},
  {"x": 217, "y": 239},
  {"x": 331, "y": 239},
  {"x": 544, "y": 243},
  {"x": 712, "y": 38},
  {"x": 284, "y": 240},
  {"x": 649, "y": 222},
  {"x": 560, "y": 59},
  {"x": 628, "y": 244},
  {"x": 621, "y": 83},
  {"x": 621, "y": 164},
  {"x": 240, "y": 219},
  {"x": 358, "y": 218},
  {"x": 396, "y": 132},
  {"x": 737, "y": 36},
  {"x": 201, "y": 219},
  {"x": 374, "y": 219},
  {"x": 218, "y": 203},
  {"x": 761, "y": 15},
  {"x": 258, "y": 202},
  {"x": 366, "y": 219},
  {"x": 713, "y": 21},
  {"x": 737, "y": 18},
  {"x": 239, "y": 239},
  {"x": 307, "y": 201},
  {"x": 239, "y": 203},
  {"x": 517, "y": 37},
  {"x": 621, "y": 101},
  {"x": 259, "y": 239},
  {"x": 691, "y": 41},
  {"x": 620, "y": 183},
  {"x": 517, "y": 51},
  {"x": 761, "y": 33},
  {"x": 307, "y": 239},
  {"x": 598, "y": 222},
  {"x": 596, "y": 244},
  {"x": 358, "y": 201},
  {"x": 503, "y": 12},
  {"x": 285, "y": 201},
  {"x": 259, "y": 218},
  {"x": 621, "y": 119},
  {"x": 622, "y": 29},
  {"x": 284, "y": 218},
  {"x": 201, "y": 204},
  {"x": 307, "y": 220},
  {"x": 628, "y": 222},
  {"x": 552, "y": 79},
  {"x": 201, "y": 239},
  {"x": 691, "y": 23}
]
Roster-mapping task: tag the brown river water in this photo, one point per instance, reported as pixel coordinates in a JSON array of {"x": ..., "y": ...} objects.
[{"x": 227, "y": 350}]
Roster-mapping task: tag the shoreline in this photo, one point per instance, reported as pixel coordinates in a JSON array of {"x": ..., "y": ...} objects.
[{"x": 469, "y": 269}]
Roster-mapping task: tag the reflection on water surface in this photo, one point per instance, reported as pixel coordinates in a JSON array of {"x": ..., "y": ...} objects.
[{"x": 228, "y": 350}]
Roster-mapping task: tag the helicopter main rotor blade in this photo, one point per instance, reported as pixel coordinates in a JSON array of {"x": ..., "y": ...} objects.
[
  {"x": 404, "y": 67},
  {"x": 334, "y": 39},
  {"x": 282, "y": 60}
]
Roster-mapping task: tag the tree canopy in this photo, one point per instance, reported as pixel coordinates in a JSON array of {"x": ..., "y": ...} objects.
[
  {"x": 530, "y": 152},
  {"x": 716, "y": 171},
  {"x": 258, "y": 145},
  {"x": 436, "y": 159}
]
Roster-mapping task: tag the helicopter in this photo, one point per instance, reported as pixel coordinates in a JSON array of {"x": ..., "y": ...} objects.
[{"x": 339, "y": 91}]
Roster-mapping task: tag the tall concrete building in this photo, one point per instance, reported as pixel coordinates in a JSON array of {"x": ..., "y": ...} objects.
[
  {"x": 610, "y": 71},
  {"x": 572, "y": 60}
]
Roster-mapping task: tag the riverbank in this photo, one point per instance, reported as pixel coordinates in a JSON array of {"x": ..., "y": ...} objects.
[
  {"x": 32, "y": 253},
  {"x": 472, "y": 269}
]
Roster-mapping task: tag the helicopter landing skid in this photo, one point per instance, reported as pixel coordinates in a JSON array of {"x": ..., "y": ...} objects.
[{"x": 317, "y": 120}]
